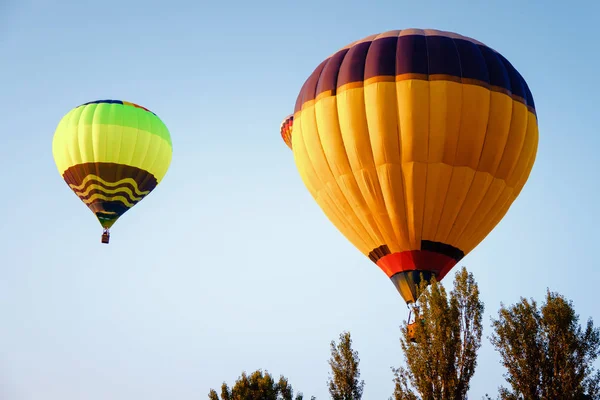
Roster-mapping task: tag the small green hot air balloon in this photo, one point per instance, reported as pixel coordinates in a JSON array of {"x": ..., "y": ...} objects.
[{"x": 112, "y": 154}]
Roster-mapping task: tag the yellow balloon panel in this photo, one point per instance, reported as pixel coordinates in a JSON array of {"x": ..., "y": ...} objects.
[{"x": 416, "y": 175}]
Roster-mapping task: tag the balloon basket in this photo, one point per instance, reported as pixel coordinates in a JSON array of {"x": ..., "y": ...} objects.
[
  {"x": 411, "y": 332},
  {"x": 411, "y": 328},
  {"x": 105, "y": 236}
]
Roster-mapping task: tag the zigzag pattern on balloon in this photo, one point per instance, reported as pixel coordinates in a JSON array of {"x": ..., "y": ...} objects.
[
  {"x": 109, "y": 189},
  {"x": 94, "y": 187}
]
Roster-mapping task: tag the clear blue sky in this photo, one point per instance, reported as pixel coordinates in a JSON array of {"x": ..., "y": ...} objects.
[{"x": 229, "y": 264}]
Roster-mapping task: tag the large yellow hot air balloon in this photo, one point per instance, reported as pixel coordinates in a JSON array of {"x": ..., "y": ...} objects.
[
  {"x": 112, "y": 154},
  {"x": 415, "y": 143}
]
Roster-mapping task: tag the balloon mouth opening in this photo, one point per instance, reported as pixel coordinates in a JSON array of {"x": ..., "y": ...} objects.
[{"x": 408, "y": 284}]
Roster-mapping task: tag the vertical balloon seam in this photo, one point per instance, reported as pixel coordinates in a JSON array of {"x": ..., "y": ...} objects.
[
  {"x": 529, "y": 169},
  {"x": 410, "y": 229},
  {"x": 361, "y": 189},
  {"x": 121, "y": 145},
  {"x": 455, "y": 216},
  {"x": 484, "y": 194},
  {"x": 66, "y": 153},
  {"x": 78, "y": 148},
  {"x": 460, "y": 127},
  {"x": 156, "y": 122},
  {"x": 345, "y": 218},
  {"x": 461, "y": 208},
  {"x": 400, "y": 148},
  {"x": 93, "y": 127},
  {"x": 377, "y": 219},
  {"x": 362, "y": 219},
  {"x": 462, "y": 132},
  {"x": 482, "y": 221},
  {"x": 491, "y": 219},
  {"x": 420, "y": 239},
  {"x": 388, "y": 207},
  {"x": 320, "y": 194},
  {"x": 323, "y": 192},
  {"x": 529, "y": 132},
  {"x": 389, "y": 236},
  {"x": 507, "y": 66},
  {"x": 346, "y": 221},
  {"x": 485, "y": 217},
  {"x": 147, "y": 148},
  {"x": 75, "y": 151},
  {"x": 500, "y": 212},
  {"x": 365, "y": 236},
  {"x": 368, "y": 196},
  {"x": 140, "y": 178}
]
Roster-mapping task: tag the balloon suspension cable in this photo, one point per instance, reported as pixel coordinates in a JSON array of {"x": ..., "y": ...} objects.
[
  {"x": 412, "y": 310},
  {"x": 105, "y": 236}
]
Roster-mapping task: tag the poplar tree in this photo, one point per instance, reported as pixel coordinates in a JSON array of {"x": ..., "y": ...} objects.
[
  {"x": 546, "y": 352},
  {"x": 344, "y": 381},
  {"x": 442, "y": 359},
  {"x": 257, "y": 386}
]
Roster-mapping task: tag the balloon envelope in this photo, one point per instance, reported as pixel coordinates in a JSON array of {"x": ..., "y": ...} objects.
[
  {"x": 112, "y": 154},
  {"x": 286, "y": 130},
  {"x": 415, "y": 143}
]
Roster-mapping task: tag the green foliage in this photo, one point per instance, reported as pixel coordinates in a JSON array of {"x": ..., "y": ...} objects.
[
  {"x": 344, "y": 381},
  {"x": 546, "y": 352},
  {"x": 257, "y": 386},
  {"x": 448, "y": 332}
]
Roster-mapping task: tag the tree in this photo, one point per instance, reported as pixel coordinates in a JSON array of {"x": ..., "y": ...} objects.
[
  {"x": 257, "y": 386},
  {"x": 546, "y": 352},
  {"x": 442, "y": 360},
  {"x": 344, "y": 381}
]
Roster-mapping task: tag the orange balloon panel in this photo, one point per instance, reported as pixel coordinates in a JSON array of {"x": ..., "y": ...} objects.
[{"x": 415, "y": 143}]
